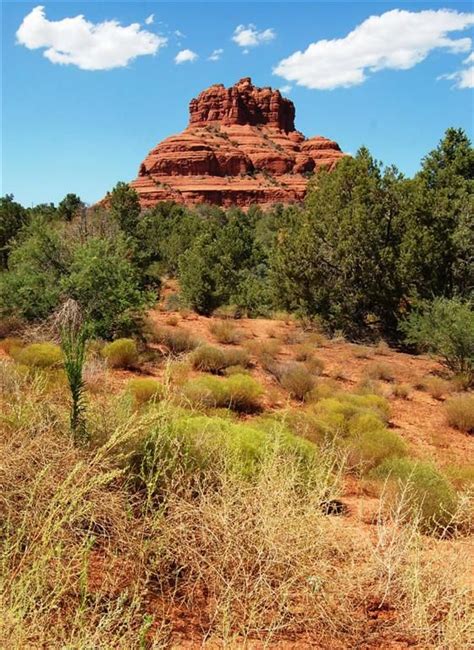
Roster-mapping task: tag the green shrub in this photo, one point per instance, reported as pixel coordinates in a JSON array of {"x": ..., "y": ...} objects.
[
  {"x": 225, "y": 332},
  {"x": 208, "y": 359},
  {"x": 370, "y": 443},
  {"x": 236, "y": 370},
  {"x": 445, "y": 327},
  {"x": 424, "y": 490},
  {"x": 121, "y": 353},
  {"x": 297, "y": 381},
  {"x": 460, "y": 413},
  {"x": 236, "y": 357},
  {"x": 237, "y": 392},
  {"x": 39, "y": 355},
  {"x": 145, "y": 389},
  {"x": 228, "y": 311},
  {"x": 176, "y": 340}
]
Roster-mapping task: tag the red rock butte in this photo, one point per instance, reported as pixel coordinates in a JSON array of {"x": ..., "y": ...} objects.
[{"x": 240, "y": 148}]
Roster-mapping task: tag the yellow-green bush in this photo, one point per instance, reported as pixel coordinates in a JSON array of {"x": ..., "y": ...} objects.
[
  {"x": 424, "y": 491},
  {"x": 191, "y": 445},
  {"x": 121, "y": 353},
  {"x": 460, "y": 413},
  {"x": 39, "y": 355},
  {"x": 208, "y": 358},
  {"x": 370, "y": 442},
  {"x": 238, "y": 392},
  {"x": 145, "y": 389}
]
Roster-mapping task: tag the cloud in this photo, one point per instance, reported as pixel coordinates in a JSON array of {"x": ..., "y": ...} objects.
[
  {"x": 249, "y": 36},
  {"x": 396, "y": 40},
  {"x": 464, "y": 78},
  {"x": 216, "y": 54},
  {"x": 286, "y": 90},
  {"x": 179, "y": 34},
  {"x": 150, "y": 20},
  {"x": 185, "y": 56},
  {"x": 89, "y": 46}
]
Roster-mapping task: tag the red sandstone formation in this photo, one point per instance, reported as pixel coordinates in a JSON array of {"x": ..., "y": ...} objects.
[{"x": 241, "y": 147}]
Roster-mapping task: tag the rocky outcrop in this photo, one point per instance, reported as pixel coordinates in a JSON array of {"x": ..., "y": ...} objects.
[{"x": 241, "y": 147}]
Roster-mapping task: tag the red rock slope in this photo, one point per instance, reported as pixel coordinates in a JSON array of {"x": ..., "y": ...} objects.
[{"x": 241, "y": 147}]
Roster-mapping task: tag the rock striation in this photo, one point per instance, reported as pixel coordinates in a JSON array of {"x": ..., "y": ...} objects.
[{"x": 240, "y": 147}]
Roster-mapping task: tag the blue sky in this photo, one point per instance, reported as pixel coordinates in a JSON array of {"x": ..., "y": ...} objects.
[{"x": 394, "y": 85}]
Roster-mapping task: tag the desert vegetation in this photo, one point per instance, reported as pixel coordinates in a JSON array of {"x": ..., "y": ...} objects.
[{"x": 237, "y": 428}]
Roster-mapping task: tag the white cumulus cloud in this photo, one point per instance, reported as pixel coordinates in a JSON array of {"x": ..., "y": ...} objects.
[
  {"x": 396, "y": 39},
  {"x": 150, "y": 20},
  {"x": 249, "y": 36},
  {"x": 216, "y": 54},
  {"x": 463, "y": 78},
  {"x": 185, "y": 56},
  {"x": 89, "y": 46},
  {"x": 286, "y": 89}
]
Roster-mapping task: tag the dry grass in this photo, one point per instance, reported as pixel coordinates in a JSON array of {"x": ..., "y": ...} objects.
[
  {"x": 225, "y": 332},
  {"x": 90, "y": 558},
  {"x": 460, "y": 413},
  {"x": 437, "y": 387},
  {"x": 382, "y": 371},
  {"x": 175, "y": 339}
]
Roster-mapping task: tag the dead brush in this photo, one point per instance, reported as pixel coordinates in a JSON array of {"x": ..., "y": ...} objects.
[{"x": 225, "y": 332}]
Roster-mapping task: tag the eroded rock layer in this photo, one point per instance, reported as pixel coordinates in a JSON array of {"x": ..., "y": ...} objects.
[{"x": 241, "y": 147}]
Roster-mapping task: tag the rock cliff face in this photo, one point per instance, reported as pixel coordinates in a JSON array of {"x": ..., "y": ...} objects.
[{"x": 241, "y": 147}]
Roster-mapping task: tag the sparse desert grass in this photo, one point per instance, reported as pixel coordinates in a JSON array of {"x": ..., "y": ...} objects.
[
  {"x": 297, "y": 380},
  {"x": 401, "y": 390},
  {"x": 145, "y": 389},
  {"x": 228, "y": 311},
  {"x": 382, "y": 348},
  {"x": 225, "y": 332},
  {"x": 177, "y": 340},
  {"x": 460, "y": 413},
  {"x": 172, "y": 320},
  {"x": 382, "y": 371},
  {"x": 38, "y": 355},
  {"x": 208, "y": 358},
  {"x": 315, "y": 365},
  {"x": 362, "y": 351},
  {"x": 304, "y": 352},
  {"x": 435, "y": 386},
  {"x": 461, "y": 476},
  {"x": 122, "y": 353},
  {"x": 217, "y": 518}
]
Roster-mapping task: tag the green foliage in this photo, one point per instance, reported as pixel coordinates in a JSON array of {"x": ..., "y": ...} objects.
[
  {"x": 39, "y": 355},
  {"x": 32, "y": 286},
  {"x": 445, "y": 327},
  {"x": 424, "y": 491},
  {"x": 237, "y": 392},
  {"x": 12, "y": 219},
  {"x": 70, "y": 207},
  {"x": 121, "y": 353},
  {"x": 460, "y": 413},
  {"x": 208, "y": 358},
  {"x": 145, "y": 390},
  {"x": 73, "y": 345},
  {"x": 105, "y": 284},
  {"x": 192, "y": 445},
  {"x": 124, "y": 207}
]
